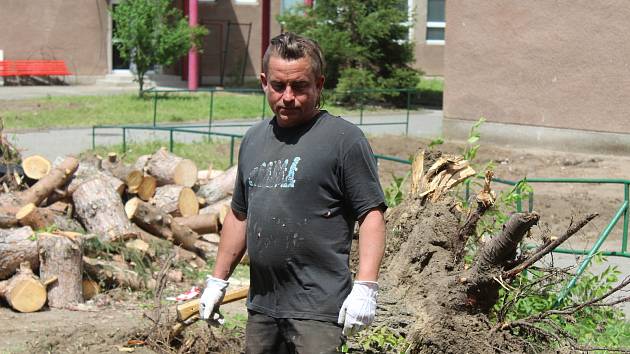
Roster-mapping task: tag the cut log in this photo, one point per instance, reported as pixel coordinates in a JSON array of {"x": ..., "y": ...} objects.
[
  {"x": 101, "y": 211},
  {"x": 154, "y": 221},
  {"x": 8, "y": 221},
  {"x": 141, "y": 163},
  {"x": 219, "y": 187},
  {"x": 61, "y": 256},
  {"x": 147, "y": 188},
  {"x": 206, "y": 250},
  {"x": 17, "y": 246},
  {"x": 41, "y": 218},
  {"x": 216, "y": 207},
  {"x": 115, "y": 274},
  {"x": 35, "y": 167},
  {"x": 202, "y": 223},
  {"x": 90, "y": 289},
  {"x": 89, "y": 171},
  {"x": 134, "y": 180},
  {"x": 182, "y": 255},
  {"x": 168, "y": 168},
  {"x": 176, "y": 200},
  {"x": 24, "y": 292}
]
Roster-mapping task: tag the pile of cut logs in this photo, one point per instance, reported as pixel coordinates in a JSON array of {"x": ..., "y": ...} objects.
[{"x": 162, "y": 199}]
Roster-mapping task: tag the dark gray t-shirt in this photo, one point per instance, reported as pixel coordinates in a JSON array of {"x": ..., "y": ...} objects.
[{"x": 303, "y": 189}]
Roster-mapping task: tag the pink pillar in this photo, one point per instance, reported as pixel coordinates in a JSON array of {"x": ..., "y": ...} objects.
[
  {"x": 308, "y": 3},
  {"x": 193, "y": 57}
]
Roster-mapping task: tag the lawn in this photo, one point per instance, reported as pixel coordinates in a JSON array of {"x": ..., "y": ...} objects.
[{"x": 86, "y": 111}]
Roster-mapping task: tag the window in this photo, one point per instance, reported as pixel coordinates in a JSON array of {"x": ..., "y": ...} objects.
[
  {"x": 436, "y": 22},
  {"x": 246, "y": 2}
]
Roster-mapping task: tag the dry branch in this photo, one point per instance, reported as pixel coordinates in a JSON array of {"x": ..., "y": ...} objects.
[
  {"x": 168, "y": 168},
  {"x": 549, "y": 247}
]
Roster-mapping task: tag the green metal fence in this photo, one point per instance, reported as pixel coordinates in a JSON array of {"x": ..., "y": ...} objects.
[{"x": 362, "y": 94}]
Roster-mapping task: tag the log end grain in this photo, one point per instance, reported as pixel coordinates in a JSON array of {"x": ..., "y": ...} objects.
[
  {"x": 29, "y": 295},
  {"x": 185, "y": 173}
]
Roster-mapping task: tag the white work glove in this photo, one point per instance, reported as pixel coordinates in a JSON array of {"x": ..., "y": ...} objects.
[
  {"x": 359, "y": 308},
  {"x": 211, "y": 298}
]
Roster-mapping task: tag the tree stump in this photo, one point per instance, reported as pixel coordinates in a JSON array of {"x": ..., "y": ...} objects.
[
  {"x": 219, "y": 187},
  {"x": 101, "y": 211},
  {"x": 168, "y": 168},
  {"x": 17, "y": 246},
  {"x": 23, "y": 292},
  {"x": 176, "y": 200},
  {"x": 61, "y": 256}
]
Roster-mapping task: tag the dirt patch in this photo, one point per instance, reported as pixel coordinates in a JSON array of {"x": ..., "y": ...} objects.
[{"x": 108, "y": 325}]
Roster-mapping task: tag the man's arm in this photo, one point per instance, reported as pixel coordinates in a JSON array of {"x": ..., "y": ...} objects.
[
  {"x": 371, "y": 244},
  {"x": 231, "y": 246}
]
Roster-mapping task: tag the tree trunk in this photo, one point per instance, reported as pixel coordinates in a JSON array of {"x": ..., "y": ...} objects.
[
  {"x": 23, "y": 292},
  {"x": 219, "y": 187},
  {"x": 61, "y": 256},
  {"x": 426, "y": 293},
  {"x": 17, "y": 246},
  {"x": 101, "y": 211},
  {"x": 171, "y": 169},
  {"x": 176, "y": 200}
]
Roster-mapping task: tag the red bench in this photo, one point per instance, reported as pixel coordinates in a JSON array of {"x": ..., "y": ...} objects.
[{"x": 33, "y": 68}]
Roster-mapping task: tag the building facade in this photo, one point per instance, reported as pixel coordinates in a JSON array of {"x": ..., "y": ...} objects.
[{"x": 554, "y": 69}]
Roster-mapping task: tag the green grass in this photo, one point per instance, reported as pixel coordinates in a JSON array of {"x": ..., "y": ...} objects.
[
  {"x": 215, "y": 152},
  {"x": 86, "y": 111},
  {"x": 66, "y": 111}
]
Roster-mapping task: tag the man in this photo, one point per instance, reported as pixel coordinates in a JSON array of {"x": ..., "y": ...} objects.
[{"x": 304, "y": 179}]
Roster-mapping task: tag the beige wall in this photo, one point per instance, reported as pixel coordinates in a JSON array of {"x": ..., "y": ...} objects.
[
  {"x": 73, "y": 31},
  {"x": 429, "y": 58},
  {"x": 558, "y": 64}
]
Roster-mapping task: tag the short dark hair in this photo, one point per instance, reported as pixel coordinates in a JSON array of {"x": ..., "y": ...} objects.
[{"x": 291, "y": 46}]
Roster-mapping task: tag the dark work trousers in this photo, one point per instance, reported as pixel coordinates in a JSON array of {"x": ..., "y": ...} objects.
[{"x": 268, "y": 335}]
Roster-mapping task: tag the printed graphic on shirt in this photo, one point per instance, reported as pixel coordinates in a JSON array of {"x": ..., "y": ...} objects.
[{"x": 274, "y": 174}]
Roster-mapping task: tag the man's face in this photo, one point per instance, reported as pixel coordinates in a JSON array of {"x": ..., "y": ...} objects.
[{"x": 292, "y": 90}]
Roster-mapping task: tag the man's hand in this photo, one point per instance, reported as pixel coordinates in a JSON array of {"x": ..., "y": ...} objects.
[
  {"x": 359, "y": 308},
  {"x": 211, "y": 298}
]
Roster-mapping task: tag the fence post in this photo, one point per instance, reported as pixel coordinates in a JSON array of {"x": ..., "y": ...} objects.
[
  {"x": 626, "y": 216},
  {"x": 170, "y": 140},
  {"x": 408, "y": 108},
  {"x": 124, "y": 132},
  {"x": 232, "y": 151},
  {"x": 211, "y": 111},
  {"x": 93, "y": 137},
  {"x": 154, "y": 108}
]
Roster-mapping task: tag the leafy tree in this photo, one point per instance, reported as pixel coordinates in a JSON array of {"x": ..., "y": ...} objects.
[
  {"x": 361, "y": 39},
  {"x": 152, "y": 32}
]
